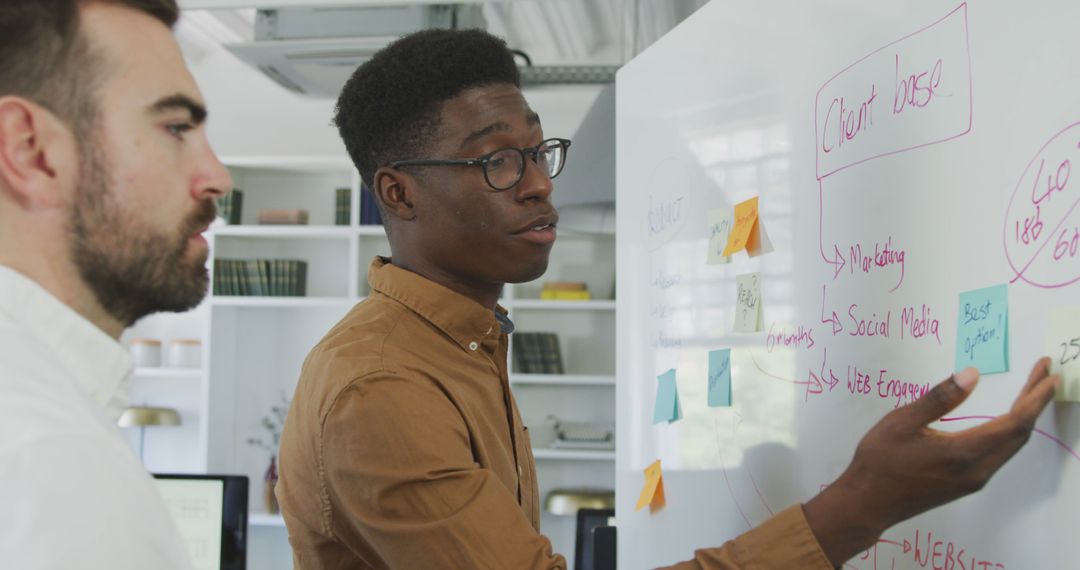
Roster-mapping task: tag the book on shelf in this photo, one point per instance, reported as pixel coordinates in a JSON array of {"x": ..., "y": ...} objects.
[
  {"x": 260, "y": 277},
  {"x": 230, "y": 206},
  {"x": 537, "y": 353},
  {"x": 283, "y": 216},
  {"x": 342, "y": 206},
  {"x": 565, "y": 291},
  {"x": 565, "y": 295},
  {"x": 369, "y": 210}
]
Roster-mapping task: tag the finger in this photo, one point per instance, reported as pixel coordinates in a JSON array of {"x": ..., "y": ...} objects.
[
  {"x": 939, "y": 401},
  {"x": 996, "y": 441},
  {"x": 1031, "y": 403},
  {"x": 1039, "y": 371}
]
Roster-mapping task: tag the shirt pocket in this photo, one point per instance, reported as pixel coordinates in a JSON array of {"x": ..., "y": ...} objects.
[{"x": 530, "y": 492}]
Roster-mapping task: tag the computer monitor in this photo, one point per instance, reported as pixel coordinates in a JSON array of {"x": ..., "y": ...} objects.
[
  {"x": 211, "y": 512},
  {"x": 587, "y": 521}
]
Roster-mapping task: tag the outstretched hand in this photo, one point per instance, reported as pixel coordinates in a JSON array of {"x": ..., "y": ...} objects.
[{"x": 902, "y": 467}]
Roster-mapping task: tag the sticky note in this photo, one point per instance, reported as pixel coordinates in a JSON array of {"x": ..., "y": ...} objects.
[
  {"x": 1063, "y": 347},
  {"x": 667, "y": 407},
  {"x": 720, "y": 377},
  {"x": 982, "y": 330},
  {"x": 746, "y": 216},
  {"x": 720, "y": 221},
  {"x": 652, "y": 493},
  {"x": 747, "y": 231},
  {"x": 748, "y": 312},
  {"x": 758, "y": 242}
]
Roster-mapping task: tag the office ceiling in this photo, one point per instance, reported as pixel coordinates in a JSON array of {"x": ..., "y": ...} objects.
[{"x": 551, "y": 32}]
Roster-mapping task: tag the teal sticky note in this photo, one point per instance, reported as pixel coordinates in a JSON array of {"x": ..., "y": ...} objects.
[
  {"x": 667, "y": 399},
  {"x": 982, "y": 330},
  {"x": 720, "y": 377}
]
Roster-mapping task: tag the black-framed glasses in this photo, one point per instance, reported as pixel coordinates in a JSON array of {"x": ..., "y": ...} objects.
[{"x": 504, "y": 168}]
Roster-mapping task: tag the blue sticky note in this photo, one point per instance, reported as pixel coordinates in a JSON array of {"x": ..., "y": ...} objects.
[
  {"x": 720, "y": 377},
  {"x": 982, "y": 330},
  {"x": 667, "y": 399}
]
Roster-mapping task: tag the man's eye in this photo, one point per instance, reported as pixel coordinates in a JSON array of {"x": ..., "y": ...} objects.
[
  {"x": 177, "y": 130},
  {"x": 495, "y": 163}
]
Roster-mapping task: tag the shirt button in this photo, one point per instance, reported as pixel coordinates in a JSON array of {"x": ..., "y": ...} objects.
[
  {"x": 519, "y": 471},
  {"x": 473, "y": 345}
]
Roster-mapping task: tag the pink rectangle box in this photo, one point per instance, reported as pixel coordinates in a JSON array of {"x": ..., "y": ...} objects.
[{"x": 911, "y": 93}]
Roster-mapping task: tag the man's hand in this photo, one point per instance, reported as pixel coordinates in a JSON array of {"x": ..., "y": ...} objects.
[{"x": 902, "y": 467}]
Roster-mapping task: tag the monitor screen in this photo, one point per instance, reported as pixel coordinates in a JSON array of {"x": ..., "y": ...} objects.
[{"x": 211, "y": 513}]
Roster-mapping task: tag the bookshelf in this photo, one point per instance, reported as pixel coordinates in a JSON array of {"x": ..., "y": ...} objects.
[{"x": 254, "y": 346}]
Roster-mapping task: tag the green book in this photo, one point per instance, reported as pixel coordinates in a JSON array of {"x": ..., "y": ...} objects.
[
  {"x": 301, "y": 279},
  {"x": 290, "y": 278}
]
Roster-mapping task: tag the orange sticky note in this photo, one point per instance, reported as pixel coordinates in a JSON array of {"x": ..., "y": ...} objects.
[
  {"x": 746, "y": 217},
  {"x": 652, "y": 493}
]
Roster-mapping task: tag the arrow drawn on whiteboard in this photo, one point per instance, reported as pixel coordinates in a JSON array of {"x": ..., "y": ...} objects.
[
  {"x": 906, "y": 545},
  {"x": 837, "y": 261},
  {"x": 837, "y": 327},
  {"x": 815, "y": 383},
  {"x": 1049, "y": 436}
]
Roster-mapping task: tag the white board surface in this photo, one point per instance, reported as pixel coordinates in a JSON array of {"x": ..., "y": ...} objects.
[{"x": 881, "y": 213}]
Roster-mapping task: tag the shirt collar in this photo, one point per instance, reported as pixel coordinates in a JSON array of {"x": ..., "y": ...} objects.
[
  {"x": 97, "y": 362},
  {"x": 460, "y": 317}
]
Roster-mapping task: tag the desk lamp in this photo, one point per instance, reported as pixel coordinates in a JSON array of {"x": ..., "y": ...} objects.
[{"x": 142, "y": 416}]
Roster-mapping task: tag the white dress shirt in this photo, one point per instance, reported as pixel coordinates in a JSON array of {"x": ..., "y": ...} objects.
[{"x": 72, "y": 494}]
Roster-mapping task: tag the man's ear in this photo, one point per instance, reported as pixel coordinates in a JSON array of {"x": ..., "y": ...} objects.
[
  {"x": 393, "y": 189},
  {"x": 37, "y": 154}
]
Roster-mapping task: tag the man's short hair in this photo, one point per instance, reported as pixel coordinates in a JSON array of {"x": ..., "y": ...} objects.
[
  {"x": 46, "y": 58},
  {"x": 389, "y": 108}
]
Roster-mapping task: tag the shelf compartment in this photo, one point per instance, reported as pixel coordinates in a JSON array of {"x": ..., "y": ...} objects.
[
  {"x": 573, "y": 454},
  {"x": 165, "y": 372},
  {"x": 540, "y": 304},
  {"x": 284, "y": 232},
  {"x": 283, "y": 302},
  {"x": 265, "y": 519},
  {"x": 563, "y": 379},
  {"x": 290, "y": 163}
]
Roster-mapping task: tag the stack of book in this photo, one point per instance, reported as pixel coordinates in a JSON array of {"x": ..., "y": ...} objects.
[
  {"x": 230, "y": 206},
  {"x": 342, "y": 206},
  {"x": 260, "y": 277},
  {"x": 369, "y": 210},
  {"x": 537, "y": 353},
  {"x": 565, "y": 291},
  {"x": 284, "y": 217}
]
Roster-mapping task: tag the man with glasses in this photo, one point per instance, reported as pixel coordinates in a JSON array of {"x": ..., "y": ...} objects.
[{"x": 404, "y": 447}]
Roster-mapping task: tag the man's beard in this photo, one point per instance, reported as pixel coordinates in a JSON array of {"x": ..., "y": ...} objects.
[{"x": 132, "y": 268}]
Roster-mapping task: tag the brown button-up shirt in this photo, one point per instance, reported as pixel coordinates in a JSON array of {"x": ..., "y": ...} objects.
[{"x": 404, "y": 448}]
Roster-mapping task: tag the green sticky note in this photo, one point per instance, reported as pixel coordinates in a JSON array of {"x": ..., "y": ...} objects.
[
  {"x": 720, "y": 377},
  {"x": 982, "y": 330},
  {"x": 667, "y": 399}
]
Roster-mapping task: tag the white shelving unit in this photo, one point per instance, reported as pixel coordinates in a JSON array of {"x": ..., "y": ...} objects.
[
  {"x": 254, "y": 346},
  {"x": 182, "y": 373}
]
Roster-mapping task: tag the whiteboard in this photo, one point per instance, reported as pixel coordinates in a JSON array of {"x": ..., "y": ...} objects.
[{"x": 881, "y": 209}]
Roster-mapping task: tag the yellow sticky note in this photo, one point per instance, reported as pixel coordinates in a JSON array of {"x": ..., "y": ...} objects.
[
  {"x": 746, "y": 215},
  {"x": 1063, "y": 347},
  {"x": 652, "y": 493}
]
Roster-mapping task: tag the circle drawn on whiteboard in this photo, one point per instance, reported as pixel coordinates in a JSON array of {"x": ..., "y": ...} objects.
[
  {"x": 668, "y": 202},
  {"x": 1042, "y": 222}
]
